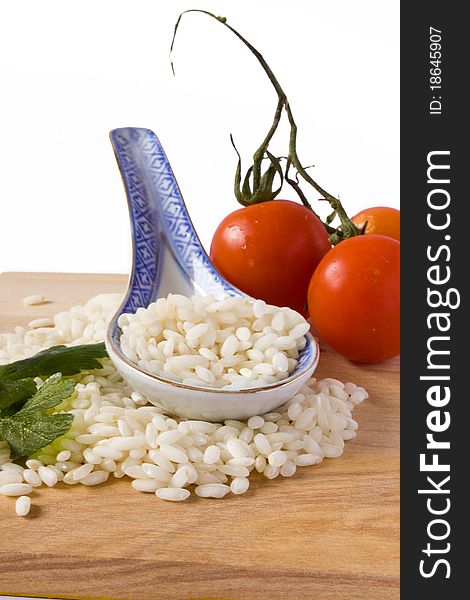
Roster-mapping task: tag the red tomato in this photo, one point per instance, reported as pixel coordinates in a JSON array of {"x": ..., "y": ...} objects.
[
  {"x": 270, "y": 250},
  {"x": 382, "y": 220},
  {"x": 354, "y": 298}
]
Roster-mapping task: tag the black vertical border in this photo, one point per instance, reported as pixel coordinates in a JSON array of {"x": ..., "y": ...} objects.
[{"x": 420, "y": 134}]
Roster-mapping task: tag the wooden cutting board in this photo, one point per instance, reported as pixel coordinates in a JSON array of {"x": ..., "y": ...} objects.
[{"x": 329, "y": 532}]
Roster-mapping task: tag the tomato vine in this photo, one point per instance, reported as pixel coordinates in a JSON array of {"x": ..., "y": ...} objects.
[{"x": 258, "y": 186}]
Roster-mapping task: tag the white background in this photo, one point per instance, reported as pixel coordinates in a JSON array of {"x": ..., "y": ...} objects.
[{"x": 72, "y": 71}]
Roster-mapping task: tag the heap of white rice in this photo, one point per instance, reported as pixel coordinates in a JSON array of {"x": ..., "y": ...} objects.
[
  {"x": 229, "y": 344},
  {"x": 116, "y": 433}
]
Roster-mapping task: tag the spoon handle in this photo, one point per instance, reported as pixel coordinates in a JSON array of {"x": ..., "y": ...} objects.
[{"x": 160, "y": 225}]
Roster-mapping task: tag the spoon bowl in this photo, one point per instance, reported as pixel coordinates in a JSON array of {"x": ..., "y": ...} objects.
[{"x": 169, "y": 258}]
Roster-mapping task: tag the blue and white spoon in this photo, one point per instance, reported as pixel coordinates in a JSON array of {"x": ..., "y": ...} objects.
[{"x": 169, "y": 258}]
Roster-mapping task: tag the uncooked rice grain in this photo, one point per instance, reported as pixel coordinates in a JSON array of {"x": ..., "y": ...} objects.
[
  {"x": 9, "y": 466},
  {"x": 33, "y": 300},
  {"x": 15, "y": 489},
  {"x": 43, "y": 322},
  {"x": 239, "y": 485},
  {"x": 95, "y": 478},
  {"x": 115, "y": 433},
  {"x": 212, "y": 490},
  {"x": 23, "y": 505},
  {"x": 173, "y": 494},
  {"x": 32, "y": 477},
  {"x": 11, "y": 477},
  {"x": 202, "y": 342}
]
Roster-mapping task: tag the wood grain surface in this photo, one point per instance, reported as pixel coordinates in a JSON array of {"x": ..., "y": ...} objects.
[{"x": 329, "y": 532}]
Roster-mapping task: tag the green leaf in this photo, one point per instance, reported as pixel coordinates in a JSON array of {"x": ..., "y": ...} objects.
[
  {"x": 53, "y": 391},
  {"x": 67, "y": 360},
  {"x": 331, "y": 217},
  {"x": 30, "y": 432},
  {"x": 246, "y": 189},
  {"x": 265, "y": 191},
  {"x": 237, "y": 182},
  {"x": 22, "y": 423},
  {"x": 276, "y": 168},
  {"x": 12, "y": 392}
]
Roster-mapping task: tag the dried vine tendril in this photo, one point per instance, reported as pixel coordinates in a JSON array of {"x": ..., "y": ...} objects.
[{"x": 257, "y": 186}]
